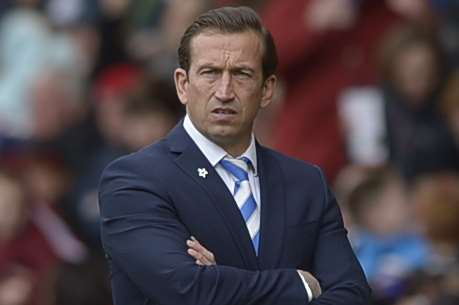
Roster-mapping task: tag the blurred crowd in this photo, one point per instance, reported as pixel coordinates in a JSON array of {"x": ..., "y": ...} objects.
[{"x": 369, "y": 91}]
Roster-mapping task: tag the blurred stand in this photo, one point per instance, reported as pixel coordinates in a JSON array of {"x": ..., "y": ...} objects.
[{"x": 368, "y": 90}]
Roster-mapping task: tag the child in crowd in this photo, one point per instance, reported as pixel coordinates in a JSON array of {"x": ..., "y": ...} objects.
[{"x": 384, "y": 236}]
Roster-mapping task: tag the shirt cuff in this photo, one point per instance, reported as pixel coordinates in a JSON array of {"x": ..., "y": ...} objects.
[{"x": 306, "y": 286}]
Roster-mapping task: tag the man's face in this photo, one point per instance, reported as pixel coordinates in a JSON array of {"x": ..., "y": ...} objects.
[{"x": 224, "y": 88}]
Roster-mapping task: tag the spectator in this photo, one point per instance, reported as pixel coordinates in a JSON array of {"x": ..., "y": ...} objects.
[
  {"x": 436, "y": 198},
  {"x": 24, "y": 40},
  {"x": 324, "y": 47},
  {"x": 26, "y": 258},
  {"x": 418, "y": 137},
  {"x": 149, "y": 119},
  {"x": 112, "y": 91},
  {"x": 447, "y": 12},
  {"x": 450, "y": 105},
  {"x": 384, "y": 239}
]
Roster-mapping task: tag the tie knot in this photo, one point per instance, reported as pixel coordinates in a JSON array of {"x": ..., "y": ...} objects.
[{"x": 239, "y": 168}]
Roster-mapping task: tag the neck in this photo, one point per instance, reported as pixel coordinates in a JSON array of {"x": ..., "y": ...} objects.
[
  {"x": 236, "y": 149},
  {"x": 234, "y": 146}
]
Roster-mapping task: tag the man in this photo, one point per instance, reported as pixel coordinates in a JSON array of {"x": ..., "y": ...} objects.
[{"x": 269, "y": 221}]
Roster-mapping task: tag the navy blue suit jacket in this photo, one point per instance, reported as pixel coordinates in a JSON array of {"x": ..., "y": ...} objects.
[{"x": 153, "y": 200}]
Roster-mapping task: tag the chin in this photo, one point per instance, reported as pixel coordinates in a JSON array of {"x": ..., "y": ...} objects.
[{"x": 222, "y": 134}]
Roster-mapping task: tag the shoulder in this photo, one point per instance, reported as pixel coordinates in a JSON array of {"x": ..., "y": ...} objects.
[
  {"x": 294, "y": 168},
  {"x": 141, "y": 158},
  {"x": 145, "y": 164},
  {"x": 301, "y": 179},
  {"x": 298, "y": 174}
]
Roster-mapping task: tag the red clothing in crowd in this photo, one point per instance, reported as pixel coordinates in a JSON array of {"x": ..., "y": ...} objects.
[
  {"x": 31, "y": 251},
  {"x": 316, "y": 67}
]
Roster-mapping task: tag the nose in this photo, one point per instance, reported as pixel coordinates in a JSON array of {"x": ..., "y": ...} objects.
[{"x": 224, "y": 92}]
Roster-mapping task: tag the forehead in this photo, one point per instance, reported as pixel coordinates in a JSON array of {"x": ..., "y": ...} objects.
[{"x": 213, "y": 47}]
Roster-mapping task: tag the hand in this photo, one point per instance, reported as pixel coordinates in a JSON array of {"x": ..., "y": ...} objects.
[
  {"x": 312, "y": 282},
  {"x": 16, "y": 289},
  {"x": 203, "y": 256}
]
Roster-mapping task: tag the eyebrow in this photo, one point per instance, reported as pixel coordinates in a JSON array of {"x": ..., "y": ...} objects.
[
  {"x": 243, "y": 68},
  {"x": 216, "y": 67},
  {"x": 207, "y": 66}
]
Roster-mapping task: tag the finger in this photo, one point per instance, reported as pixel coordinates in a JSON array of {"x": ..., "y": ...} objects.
[
  {"x": 194, "y": 254},
  {"x": 313, "y": 283},
  {"x": 211, "y": 257},
  {"x": 206, "y": 260},
  {"x": 198, "y": 245},
  {"x": 200, "y": 259},
  {"x": 208, "y": 255},
  {"x": 203, "y": 263},
  {"x": 195, "y": 245}
]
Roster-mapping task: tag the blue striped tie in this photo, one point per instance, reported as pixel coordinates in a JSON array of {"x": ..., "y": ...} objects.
[{"x": 243, "y": 196}]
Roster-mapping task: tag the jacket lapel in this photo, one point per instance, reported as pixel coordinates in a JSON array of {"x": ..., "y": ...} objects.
[
  {"x": 189, "y": 159},
  {"x": 272, "y": 224}
]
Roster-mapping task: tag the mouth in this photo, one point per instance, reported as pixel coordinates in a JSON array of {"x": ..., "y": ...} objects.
[
  {"x": 224, "y": 111},
  {"x": 224, "y": 115}
]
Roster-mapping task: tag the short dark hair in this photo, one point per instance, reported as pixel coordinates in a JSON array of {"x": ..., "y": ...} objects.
[
  {"x": 229, "y": 20},
  {"x": 402, "y": 37}
]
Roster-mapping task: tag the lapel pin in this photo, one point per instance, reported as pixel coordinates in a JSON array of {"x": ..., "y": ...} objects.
[{"x": 202, "y": 172}]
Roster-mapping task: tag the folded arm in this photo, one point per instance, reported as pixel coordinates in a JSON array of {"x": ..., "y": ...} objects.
[
  {"x": 205, "y": 257},
  {"x": 142, "y": 234},
  {"x": 335, "y": 265}
]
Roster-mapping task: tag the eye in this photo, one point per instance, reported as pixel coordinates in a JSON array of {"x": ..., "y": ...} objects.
[
  {"x": 242, "y": 74},
  {"x": 209, "y": 72}
]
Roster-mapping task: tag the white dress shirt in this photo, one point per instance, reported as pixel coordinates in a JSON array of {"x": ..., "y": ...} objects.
[{"x": 215, "y": 154}]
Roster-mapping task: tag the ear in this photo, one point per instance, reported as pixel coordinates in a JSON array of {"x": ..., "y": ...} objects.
[
  {"x": 181, "y": 85},
  {"x": 269, "y": 87}
]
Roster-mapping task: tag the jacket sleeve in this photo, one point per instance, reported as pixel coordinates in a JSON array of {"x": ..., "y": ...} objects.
[
  {"x": 335, "y": 265},
  {"x": 145, "y": 238}
]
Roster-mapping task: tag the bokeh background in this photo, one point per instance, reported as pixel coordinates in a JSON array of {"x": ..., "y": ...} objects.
[{"x": 369, "y": 91}]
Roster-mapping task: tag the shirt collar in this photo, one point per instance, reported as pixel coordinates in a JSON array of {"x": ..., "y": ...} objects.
[{"x": 212, "y": 151}]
